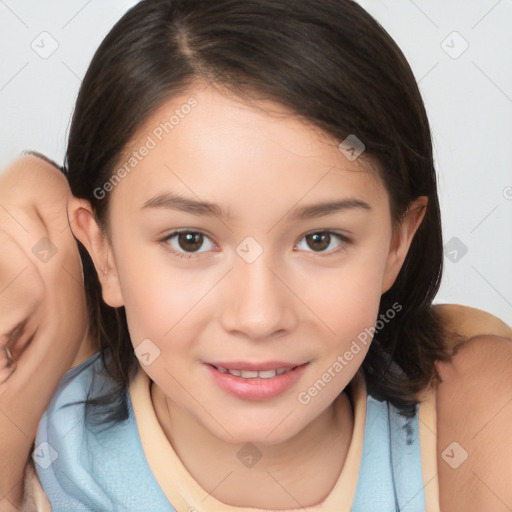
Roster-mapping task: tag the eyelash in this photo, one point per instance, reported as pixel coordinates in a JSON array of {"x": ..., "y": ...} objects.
[{"x": 343, "y": 239}]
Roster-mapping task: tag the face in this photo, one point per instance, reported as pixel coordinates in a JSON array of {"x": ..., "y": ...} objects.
[{"x": 244, "y": 240}]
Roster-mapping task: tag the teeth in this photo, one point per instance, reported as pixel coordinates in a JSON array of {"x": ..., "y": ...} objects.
[
  {"x": 246, "y": 374},
  {"x": 268, "y": 374}
]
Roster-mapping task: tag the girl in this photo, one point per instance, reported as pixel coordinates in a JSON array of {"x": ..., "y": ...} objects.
[{"x": 255, "y": 200}]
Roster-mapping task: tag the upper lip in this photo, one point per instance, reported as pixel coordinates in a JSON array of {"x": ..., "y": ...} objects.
[{"x": 251, "y": 366}]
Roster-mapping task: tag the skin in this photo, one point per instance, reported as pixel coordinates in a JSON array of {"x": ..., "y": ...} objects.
[
  {"x": 45, "y": 292},
  {"x": 36, "y": 194},
  {"x": 471, "y": 322},
  {"x": 474, "y": 410},
  {"x": 291, "y": 304}
]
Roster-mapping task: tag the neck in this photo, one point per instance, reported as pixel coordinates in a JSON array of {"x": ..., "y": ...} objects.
[{"x": 297, "y": 473}]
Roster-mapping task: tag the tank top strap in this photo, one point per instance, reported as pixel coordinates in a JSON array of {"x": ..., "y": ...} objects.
[
  {"x": 390, "y": 476},
  {"x": 406, "y": 460}
]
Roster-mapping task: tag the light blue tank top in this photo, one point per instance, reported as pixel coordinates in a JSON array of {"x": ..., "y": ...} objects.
[{"x": 84, "y": 468}]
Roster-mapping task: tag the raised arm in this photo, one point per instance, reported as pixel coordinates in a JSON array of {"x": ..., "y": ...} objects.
[{"x": 43, "y": 316}]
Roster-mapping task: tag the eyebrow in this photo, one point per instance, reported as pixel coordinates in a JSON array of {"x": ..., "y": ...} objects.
[
  {"x": 321, "y": 209},
  {"x": 175, "y": 202}
]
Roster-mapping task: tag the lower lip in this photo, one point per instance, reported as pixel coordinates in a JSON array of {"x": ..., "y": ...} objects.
[{"x": 256, "y": 389}]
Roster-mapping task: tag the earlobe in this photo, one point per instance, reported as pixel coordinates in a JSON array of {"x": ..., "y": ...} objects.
[
  {"x": 401, "y": 240},
  {"x": 85, "y": 228}
]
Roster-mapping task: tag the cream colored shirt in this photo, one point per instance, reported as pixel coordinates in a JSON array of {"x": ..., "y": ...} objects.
[{"x": 184, "y": 493}]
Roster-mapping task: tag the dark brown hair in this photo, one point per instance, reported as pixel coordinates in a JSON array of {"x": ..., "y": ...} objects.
[{"x": 329, "y": 62}]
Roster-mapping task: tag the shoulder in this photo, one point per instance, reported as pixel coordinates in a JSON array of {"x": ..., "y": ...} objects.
[
  {"x": 469, "y": 322},
  {"x": 474, "y": 414}
]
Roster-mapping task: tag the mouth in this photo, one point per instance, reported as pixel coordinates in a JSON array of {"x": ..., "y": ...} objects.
[
  {"x": 251, "y": 381},
  {"x": 255, "y": 374}
]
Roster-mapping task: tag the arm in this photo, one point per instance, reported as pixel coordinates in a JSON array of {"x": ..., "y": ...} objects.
[
  {"x": 470, "y": 322},
  {"x": 464, "y": 399},
  {"x": 474, "y": 410},
  {"x": 41, "y": 286}
]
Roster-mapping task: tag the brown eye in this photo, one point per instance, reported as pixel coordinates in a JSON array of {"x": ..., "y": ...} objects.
[
  {"x": 322, "y": 241},
  {"x": 318, "y": 241},
  {"x": 190, "y": 242}
]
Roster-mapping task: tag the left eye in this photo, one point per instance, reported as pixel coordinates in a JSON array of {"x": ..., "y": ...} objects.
[
  {"x": 321, "y": 241},
  {"x": 189, "y": 242}
]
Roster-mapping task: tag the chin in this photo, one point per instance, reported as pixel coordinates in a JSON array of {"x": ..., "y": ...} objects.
[{"x": 259, "y": 433}]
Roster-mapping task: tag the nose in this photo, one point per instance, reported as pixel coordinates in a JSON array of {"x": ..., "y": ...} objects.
[{"x": 257, "y": 305}]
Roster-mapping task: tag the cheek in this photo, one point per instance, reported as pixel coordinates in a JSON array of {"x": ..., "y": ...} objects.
[
  {"x": 350, "y": 311},
  {"x": 169, "y": 305},
  {"x": 160, "y": 302},
  {"x": 349, "y": 297}
]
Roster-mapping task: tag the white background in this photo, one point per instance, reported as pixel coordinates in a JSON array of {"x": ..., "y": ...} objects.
[{"x": 468, "y": 96}]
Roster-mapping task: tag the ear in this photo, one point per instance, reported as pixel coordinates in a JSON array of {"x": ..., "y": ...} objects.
[
  {"x": 85, "y": 228},
  {"x": 401, "y": 240}
]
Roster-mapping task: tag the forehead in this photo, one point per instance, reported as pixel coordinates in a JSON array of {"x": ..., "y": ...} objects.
[{"x": 213, "y": 146}]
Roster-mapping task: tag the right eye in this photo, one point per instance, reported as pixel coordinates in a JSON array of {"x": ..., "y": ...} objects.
[{"x": 187, "y": 242}]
